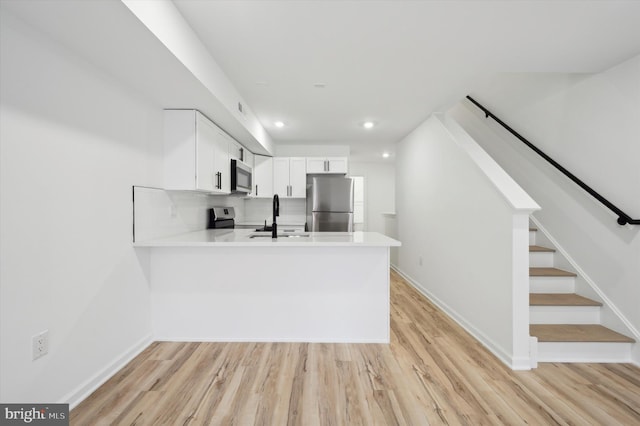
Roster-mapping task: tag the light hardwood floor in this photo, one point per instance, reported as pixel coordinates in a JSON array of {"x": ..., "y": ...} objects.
[{"x": 433, "y": 372}]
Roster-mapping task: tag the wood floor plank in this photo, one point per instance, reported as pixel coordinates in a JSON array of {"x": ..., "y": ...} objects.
[{"x": 433, "y": 372}]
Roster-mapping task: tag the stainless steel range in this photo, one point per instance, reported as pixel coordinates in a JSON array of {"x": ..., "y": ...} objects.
[{"x": 221, "y": 217}]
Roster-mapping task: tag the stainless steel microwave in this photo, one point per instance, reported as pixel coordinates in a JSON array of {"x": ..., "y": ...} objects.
[{"x": 241, "y": 177}]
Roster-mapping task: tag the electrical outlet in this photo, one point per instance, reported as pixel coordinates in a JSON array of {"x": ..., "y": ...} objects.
[{"x": 40, "y": 344}]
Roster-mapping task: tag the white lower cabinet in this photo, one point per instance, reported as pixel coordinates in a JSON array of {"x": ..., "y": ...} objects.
[
  {"x": 196, "y": 153},
  {"x": 290, "y": 177}
]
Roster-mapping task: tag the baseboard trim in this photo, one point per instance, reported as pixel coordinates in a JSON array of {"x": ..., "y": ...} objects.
[
  {"x": 78, "y": 395},
  {"x": 265, "y": 340},
  {"x": 521, "y": 363}
]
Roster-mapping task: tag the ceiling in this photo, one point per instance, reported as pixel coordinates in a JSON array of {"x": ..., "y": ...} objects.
[{"x": 395, "y": 62}]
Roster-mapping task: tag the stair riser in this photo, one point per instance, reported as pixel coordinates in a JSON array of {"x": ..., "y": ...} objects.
[
  {"x": 583, "y": 352},
  {"x": 564, "y": 314},
  {"x": 532, "y": 238},
  {"x": 552, "y": 284},
  {"x": 541, "y": 259}
]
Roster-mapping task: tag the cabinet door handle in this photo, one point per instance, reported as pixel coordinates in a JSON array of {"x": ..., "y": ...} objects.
[{"x": 256, "y": 190}]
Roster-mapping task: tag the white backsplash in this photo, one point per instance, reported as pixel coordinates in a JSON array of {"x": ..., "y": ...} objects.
[
  {"x": 159, "y": 213},
  {"x": 292, "y": 211}
]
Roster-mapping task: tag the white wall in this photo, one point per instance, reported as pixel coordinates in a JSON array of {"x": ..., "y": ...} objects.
[
  {"x": 379, "y": 192},
  {"x": 591, "y": 125},
  {"x": 292, "y": 150},
  {"x": 159, "y": 213},
  {"x": 293, "y": 211},
  {"x": 73, "y": 142},
  {"x": 462, "y": 244}
]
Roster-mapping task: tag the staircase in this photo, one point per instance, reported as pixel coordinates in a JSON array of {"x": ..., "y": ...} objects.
[{"x": 566, "y": 324}]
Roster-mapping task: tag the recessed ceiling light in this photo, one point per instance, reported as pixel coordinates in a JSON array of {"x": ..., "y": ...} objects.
[
  {"x": 319, "y": 85},
  {"x": 278, "y": 124},
  {"x": 368, "y": 124},
  {"x": 385, "y": 155}
]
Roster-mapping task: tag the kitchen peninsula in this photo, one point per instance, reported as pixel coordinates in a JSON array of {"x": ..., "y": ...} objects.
[{"x": 242, "y": 285}]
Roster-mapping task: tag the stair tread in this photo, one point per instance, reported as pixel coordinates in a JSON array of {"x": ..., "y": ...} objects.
[
  {"x": 549, "y": 272},
  {"x": 540, "y": 249},
  {"x": 576, "y": 333},
  {"x": 560, "y": 299}
]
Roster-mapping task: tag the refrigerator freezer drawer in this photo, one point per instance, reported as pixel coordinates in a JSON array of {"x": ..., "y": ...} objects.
[{"x": 332, "y": 222}]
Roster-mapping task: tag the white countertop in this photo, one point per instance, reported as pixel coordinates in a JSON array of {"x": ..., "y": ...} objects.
[{"x": 242, "y": 238}]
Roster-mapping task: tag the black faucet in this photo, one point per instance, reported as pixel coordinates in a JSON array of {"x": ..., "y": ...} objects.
[{"x": 276, "y": 212}]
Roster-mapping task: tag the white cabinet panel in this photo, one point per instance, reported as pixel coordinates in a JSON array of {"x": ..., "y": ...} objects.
[
  {"x": 262, "y": 176},
  {"x": 298, "y": 177},
  {"x": 236, "y": 150},
  {"x": 324, "y": 165},
  {"x": 316, "y": 165},
  {"x": 222, "y": 163},
  {"x": 337, "y": 165},
  {"x": 281, "y": 176},
  {"x": 206, "y": 176},
  {"x": 247, "y": 157},
  {"x": 290, "y": 177},
  {"x": 196, "y": 153}
]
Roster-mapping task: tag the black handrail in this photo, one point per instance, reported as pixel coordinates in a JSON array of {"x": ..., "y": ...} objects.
[{"x": 623, "y": 218}]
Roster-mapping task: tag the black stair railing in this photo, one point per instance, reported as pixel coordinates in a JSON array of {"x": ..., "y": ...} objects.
[{"x": 623, "y": 218}]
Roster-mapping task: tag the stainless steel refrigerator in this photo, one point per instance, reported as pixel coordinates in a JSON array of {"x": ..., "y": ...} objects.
[{"x": 329, "y": 204}]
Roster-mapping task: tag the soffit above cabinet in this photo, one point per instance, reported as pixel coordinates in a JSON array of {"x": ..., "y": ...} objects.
[{"x": 129, "y": 52}]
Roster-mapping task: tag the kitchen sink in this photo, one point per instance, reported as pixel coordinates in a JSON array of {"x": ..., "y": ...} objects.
[{"x": 292, "y": 235}]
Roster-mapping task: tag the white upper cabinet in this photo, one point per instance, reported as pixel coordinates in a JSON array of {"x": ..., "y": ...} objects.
[
  {"x": 323, "y": 165},
  {"x": 316, "y": 165},
  {"x": 222, "y": 162},
  {"x": 196, "y": 153},
  {"x": 262, "y": 176},
  {"x": 247, "y": 158},
  {"x": 236, "y": 151},
  {"x": 290, "y": 177},
  {"x": 298, "y": 177}
]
